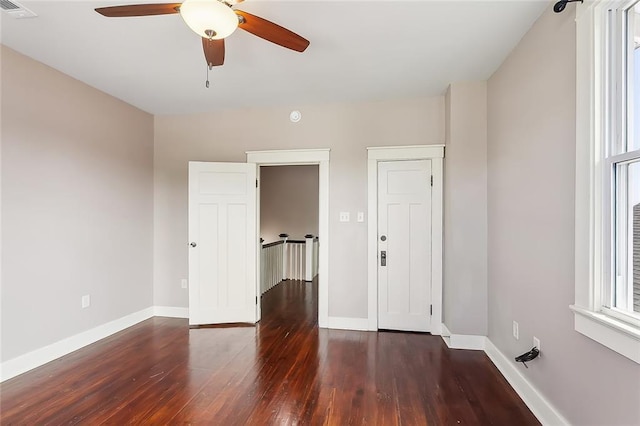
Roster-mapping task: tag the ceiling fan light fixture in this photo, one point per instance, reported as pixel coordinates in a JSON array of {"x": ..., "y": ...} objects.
[{"x": 209, "y": 18}]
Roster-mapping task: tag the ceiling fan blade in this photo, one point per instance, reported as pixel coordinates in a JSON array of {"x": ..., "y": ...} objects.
[
  {"x": 139, "y": 10},
  {"x": 213, "y": 51},
  {"x": 272, "y": 32}
]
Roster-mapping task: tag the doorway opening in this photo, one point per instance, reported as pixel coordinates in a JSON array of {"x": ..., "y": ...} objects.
[
  {"x": 320, "y": 158},
  {"x": 288, "y": 207}
]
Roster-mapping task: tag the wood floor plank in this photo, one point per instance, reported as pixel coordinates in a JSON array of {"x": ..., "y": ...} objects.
[{"x": 284, "y": 371}]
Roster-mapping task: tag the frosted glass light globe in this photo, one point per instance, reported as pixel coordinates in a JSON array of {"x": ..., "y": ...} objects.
[{"x": 209, "y": 18}]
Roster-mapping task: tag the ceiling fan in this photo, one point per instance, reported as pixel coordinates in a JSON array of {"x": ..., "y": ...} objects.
[{"x": 213, "y": 20}]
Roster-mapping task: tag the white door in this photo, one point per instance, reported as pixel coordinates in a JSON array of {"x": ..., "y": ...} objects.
[
  {"x": 222, "y": 238},
  {"x": 404, "y": 245}
]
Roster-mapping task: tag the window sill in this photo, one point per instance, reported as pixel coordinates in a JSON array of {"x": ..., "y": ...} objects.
[{"x": 617, "y": 335}]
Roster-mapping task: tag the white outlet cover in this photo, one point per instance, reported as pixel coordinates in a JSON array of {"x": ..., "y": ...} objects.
[
  {"x": 516, "y": 333},
  {"x": 86, "y": 301},
  {"x": 183, "y": 283}
]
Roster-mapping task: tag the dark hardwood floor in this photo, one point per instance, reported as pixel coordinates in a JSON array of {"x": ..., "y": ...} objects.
[{"x": 285, "y": 371}]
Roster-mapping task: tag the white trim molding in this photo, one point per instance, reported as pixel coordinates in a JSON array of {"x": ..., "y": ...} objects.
[
  {"x": 344, "y": 323},
  {"x": 170, "y": 312},
  {"x": 463, "y": 341},
  {"x": 407, "y": 152},
  {"x": 435, "y": 153},
  {"x": 321, "y": 157},
  {"x": 546, "y": 413},
  {"x": 612, "y": 333},
  {"x": 286, "y": 157},
  {"x": 38, "y": 357}
]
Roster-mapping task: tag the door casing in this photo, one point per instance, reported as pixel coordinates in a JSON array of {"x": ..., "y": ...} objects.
[
  {"x": 304, "y": 157},
  {"x": 435, "y": 153}
]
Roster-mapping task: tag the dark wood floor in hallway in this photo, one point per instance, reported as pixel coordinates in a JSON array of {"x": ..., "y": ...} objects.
[{"x": 284, "y": 371}]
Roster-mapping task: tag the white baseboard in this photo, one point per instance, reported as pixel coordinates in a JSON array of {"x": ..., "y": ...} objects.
[
  {"x": 437, "y": 329},
  {"x": 537, "y": 403},
  {"x": 446, "y": 336},
  {"x": 343, "y": 323},
  {"x": 38, "y": 357},
  {"x": 467, "y": 341},
  {"x": 445, "y": 331},
  {"x": 463, "y": 341},
  {"x": 170, "y": 311}
]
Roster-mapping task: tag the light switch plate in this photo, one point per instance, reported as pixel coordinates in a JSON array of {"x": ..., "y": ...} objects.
[
  {"x": 344, "y": 217},
  {"x": 360, "y": 216}
]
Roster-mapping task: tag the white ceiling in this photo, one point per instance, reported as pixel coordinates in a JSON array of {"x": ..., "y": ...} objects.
[{"x": 360, "y": 50}]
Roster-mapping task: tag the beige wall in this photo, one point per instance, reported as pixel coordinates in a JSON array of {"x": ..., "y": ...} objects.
[
  {"x": 531, "y": 157},
  {"x": 77, "y": 176},
  {"x": 347, "y": 129},
  {"x": 465, "y": 209},
  {"x": 288, "y": 202}
]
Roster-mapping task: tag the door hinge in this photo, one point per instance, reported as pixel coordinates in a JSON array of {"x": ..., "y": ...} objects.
[
  {"x": 256, "y": 300},
  {"x": 257, "y": 183},
  {"x": 430, "y": 309},
  {"x": 431, "y": 180}
]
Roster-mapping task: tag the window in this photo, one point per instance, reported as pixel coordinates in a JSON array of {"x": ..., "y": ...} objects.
[
  {"x": 607, "y": 304},
  {"x": 622, "y": 164}
]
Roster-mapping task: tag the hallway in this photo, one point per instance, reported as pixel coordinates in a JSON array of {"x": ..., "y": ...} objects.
[
  {"x": 284, "y": 371},
  {"x": 291, "y": 301}
]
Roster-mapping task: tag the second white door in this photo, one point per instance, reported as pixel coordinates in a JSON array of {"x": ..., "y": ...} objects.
[
  {"x": 222, "y": 233},
  {"x": 404, "y": 245}
]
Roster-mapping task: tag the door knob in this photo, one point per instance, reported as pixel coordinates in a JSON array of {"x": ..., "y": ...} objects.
[
  {"x": 383, "y": 238},
  {"x": 193, "y": 244}
]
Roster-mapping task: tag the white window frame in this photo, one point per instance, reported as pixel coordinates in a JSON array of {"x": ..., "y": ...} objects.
[{"x": 592, "y": 249}]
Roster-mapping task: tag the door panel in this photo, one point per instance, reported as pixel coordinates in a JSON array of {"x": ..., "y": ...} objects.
[
  {"x": 222, "y": 226},
  {"x": 404, "y": 218}
]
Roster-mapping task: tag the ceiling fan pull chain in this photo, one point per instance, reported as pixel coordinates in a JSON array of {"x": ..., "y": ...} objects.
[{"x": 207, "y": 83}]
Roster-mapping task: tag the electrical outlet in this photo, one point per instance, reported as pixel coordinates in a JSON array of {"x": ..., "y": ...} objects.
[
  {"x": 183, "y": 283},
  {"x": 516, "y": 333},
  {"x": 536, "y": 342},
  {"x": 86, "y": 301}
]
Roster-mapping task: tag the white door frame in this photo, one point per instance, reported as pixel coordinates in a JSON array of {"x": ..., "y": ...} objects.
[
  {"x": 435, "y": 153},
  {"x": 306, "y": 157}
]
